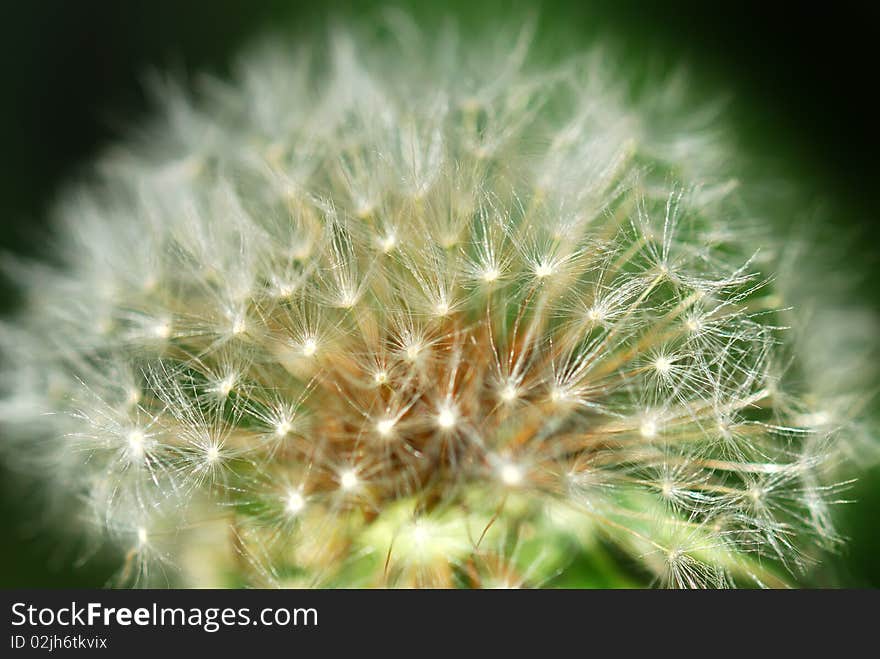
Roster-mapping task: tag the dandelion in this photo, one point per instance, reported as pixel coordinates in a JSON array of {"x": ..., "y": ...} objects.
[{"x": 393, "y": 324}]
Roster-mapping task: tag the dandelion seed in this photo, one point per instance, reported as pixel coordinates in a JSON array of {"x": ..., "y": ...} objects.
[
  {"x": 649, "y": 428},
  {"x": 817, "y": 419},
  {"x": 543, "y": 269},
  {"x": 239, "y": 325},
  {"x": 756, "y": 493},
  {"x": 133, "y": 396},
  {"x": 225, "y": 386},
  {"x": 347, "y": 299},
  {"x": 694, "y": 324},
  {"x": 348, "y": 480},
  {"x": 421, "y": 534},
  {"x": 284, "y": 289},
  {"x": 510, "y": 474},
  {"x": 294, "y": 503},
  {"x": 446, "y": 418},
  {"x": 491, "y": 275},
  {"x": 212, "y": 454},
  {"x": 385, "y": 427},
  {"x": 509, "y": 393},
  {"x": 560, "y": 395},
  {"x": 302, "y": 251},
  {"x": 596, "y": 315},
  {"x": 309, "y": 347},
  {"x": 162, "y": 329},
  {"x": 413, "y": 351},
  {"x": 136, "y": 443},
  {"x": 663, "y": 365},
  {"x": 388, "y": 243}
]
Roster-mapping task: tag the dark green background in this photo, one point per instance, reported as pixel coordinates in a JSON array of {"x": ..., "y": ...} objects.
[{"x": 803, "y": 85}]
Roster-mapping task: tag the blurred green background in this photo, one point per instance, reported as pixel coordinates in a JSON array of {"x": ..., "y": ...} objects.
[{"x": 802, "y": 87}]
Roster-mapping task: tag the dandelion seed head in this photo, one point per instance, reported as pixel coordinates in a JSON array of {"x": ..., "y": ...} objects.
[{"x": 460, "y": 343}]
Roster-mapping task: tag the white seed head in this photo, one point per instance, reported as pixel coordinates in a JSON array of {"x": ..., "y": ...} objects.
[{"x": 376, "y": 276}]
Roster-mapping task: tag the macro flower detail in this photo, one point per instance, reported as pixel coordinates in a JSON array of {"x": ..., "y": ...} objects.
[{"x": 420, "y": 313}]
